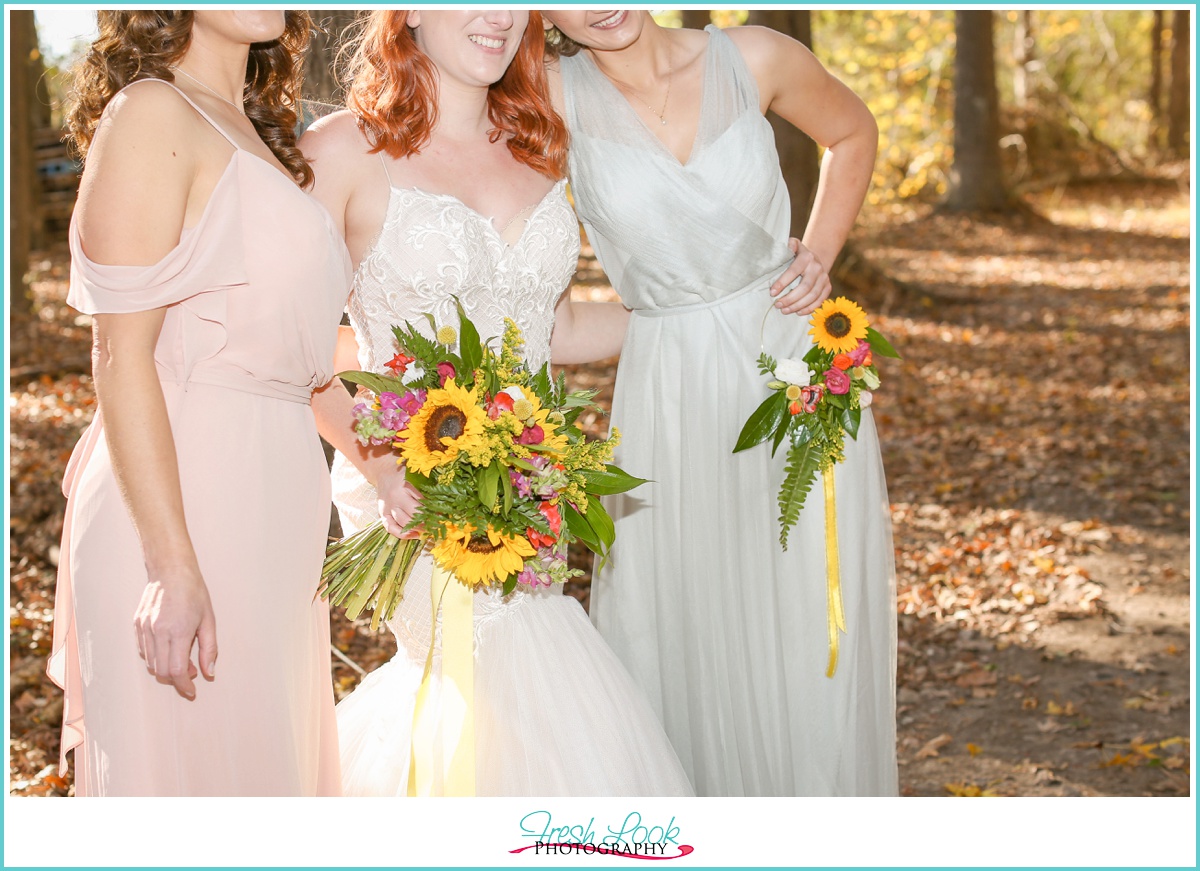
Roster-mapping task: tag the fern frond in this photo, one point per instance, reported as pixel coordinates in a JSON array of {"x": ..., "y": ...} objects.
[{"x": 798, "y": 479}]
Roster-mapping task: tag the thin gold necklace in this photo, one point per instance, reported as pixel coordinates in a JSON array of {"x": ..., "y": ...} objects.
[
  {"x": 241, "y": 110},
  {"x": 662, "y": 115}
]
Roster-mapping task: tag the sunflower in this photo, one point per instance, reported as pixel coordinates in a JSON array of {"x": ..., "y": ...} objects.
[
  {"x": 838, "y": 325},
  {"x": 478, "y": 558},
  {"x": 450, "y": 421}
]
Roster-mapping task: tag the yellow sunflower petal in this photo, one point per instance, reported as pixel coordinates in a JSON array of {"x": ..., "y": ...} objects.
[{"x": 837, "y": 325}]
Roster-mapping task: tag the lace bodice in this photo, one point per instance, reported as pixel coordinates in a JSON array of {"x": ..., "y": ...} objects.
[{"x": 433, "y": 247}]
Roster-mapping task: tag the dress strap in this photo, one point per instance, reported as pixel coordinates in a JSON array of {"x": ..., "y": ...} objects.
[
  {"x": 191, "y": 103},
  {"x": 386, "y": 174}
]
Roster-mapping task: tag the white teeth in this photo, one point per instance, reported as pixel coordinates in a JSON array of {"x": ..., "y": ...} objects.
[
  {"x": 486, "y": 42},
  {"x": 611, "y": 21}
]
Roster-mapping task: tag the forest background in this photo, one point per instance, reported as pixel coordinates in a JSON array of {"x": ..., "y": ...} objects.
[{"x": 1027, "y": 246}]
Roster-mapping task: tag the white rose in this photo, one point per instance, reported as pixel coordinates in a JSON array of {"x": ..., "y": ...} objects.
[
  {"x": 793, "y": 372},
  {"x": 414, "y": 372}
]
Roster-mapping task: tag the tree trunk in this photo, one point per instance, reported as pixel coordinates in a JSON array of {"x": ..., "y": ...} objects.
[
  {"x": 1024, "y": 53},
  {"x": 320, "y": 73},
  {"x": 1156, "y": 79},
  {"x": 697, "y": 19},
  {"x": 1179, "y": 108},
  {"x": 976, "y": 177},
  {"x": 797, "y": 152},
  {"x": 23, "y": 52}
]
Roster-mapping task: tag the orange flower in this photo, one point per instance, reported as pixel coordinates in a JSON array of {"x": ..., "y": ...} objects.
[
  {"x": 867, "y": 359},
  {"x": 843, "y": 361},
  {"x": 794, "y": 408}
]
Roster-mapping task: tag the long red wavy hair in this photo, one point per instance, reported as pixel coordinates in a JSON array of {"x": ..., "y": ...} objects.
[{"x": 393, "y": 88}]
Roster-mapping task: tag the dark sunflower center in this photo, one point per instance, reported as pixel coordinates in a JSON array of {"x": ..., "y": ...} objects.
[
  {"x": 445, "y": 422},
  {"x": 481, "y": 544},
  {"x": 837, "y": 325}
]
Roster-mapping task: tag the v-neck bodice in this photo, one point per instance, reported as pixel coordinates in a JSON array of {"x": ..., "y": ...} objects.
[
  {"x": 706, "y": 74},
  {"x": 433, "y": 248},
  {"x": 673, "y": 235}
]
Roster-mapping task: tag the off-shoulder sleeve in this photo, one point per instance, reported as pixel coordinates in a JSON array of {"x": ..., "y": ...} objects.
[{"x": 209, "y": 256}]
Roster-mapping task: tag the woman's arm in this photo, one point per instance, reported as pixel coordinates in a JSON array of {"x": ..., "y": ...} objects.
[
  {"x": 137, "y": 192},
  {"x": 345, "y": 186},
  {"x": 793, "y": 84},
  {"x": 585, "y": 332}
]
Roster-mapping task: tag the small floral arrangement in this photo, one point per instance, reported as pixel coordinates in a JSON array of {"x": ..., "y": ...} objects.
[
  {"x": 817, "y": 400},
  {"x": 506, "y": 478}
]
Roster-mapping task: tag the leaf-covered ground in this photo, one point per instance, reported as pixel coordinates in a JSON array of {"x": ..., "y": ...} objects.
[{"x": 1036, "y": 437}]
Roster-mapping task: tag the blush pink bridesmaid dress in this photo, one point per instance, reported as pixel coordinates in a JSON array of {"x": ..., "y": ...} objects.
[{"x": 253, "y": 295}]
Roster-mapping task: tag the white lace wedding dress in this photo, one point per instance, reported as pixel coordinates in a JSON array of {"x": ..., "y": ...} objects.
[{"x": 555, "y": 711}]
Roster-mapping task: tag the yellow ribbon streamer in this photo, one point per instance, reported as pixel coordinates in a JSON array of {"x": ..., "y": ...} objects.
[
  {"x": 837, "y": 614},
  {"x": 443, "y": 736}
]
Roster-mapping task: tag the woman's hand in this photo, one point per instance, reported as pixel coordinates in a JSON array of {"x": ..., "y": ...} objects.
[
  {"x": 398, "y": 501},
  {"x": 813, "y": 288},
  {"x": 174, "y": 613}
]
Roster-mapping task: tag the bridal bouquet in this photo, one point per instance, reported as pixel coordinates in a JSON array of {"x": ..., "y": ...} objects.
[
  {"x": 817, "y": 400},
  {"x": 506, "y": 478}
]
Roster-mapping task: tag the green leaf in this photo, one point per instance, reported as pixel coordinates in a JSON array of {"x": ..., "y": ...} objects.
[
  {"x": 610, "y": 481},
  {"x": 601, "y": 522},
  {"x": 375, "y": 383},
  {"x": 780, "y": 434},
  {"x": 579, "y": 527},
  {"x": 837, "y": 400},
  {"x": 469, "y": 346},
  {"x": 763, "y": 422},
  {"x": 802, "y": 434},
  {"x": 880, "y": 345},
  {"x": 766, "y": 364},
  {"x": 510, "y": 584},
  {"x": 816, "y": 357},
  {"x": 489, "y": 480},
  {"x": 799, "y": 474},
  {"x": 506, "y": 482},
  {"x": 851, "y": 417}
]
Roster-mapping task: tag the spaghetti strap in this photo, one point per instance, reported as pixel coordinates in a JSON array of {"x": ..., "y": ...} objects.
[
  {"x": 191, "y": 103},
  {"x": 387, "y": 175}
]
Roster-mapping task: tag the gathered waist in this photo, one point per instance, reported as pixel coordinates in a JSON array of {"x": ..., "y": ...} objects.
[
  {"x": 761, "y": 284},
  {"x": 245, "y": 384}
]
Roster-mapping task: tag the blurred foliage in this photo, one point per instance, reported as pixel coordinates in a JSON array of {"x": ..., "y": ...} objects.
[{"x": 1088, "y": 86}]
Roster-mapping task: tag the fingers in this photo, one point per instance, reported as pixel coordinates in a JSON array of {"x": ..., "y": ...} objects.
[
  {"x": 805, "y": 298},
  {"x": 206, "y": 639},
  {"x": 800, "y": 263}
]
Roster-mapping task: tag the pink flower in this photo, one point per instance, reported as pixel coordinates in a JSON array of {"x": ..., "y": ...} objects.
[
  {"x": 532, "y": 435},
  {"x": 388, "y": 401},
  {"x": 837, "y": 381},
  {"x": 810, "y": 396},
  {"x": 859, "y": 354},
  {"x": 412, "y": 401},
  {"x": 446, "y": 371}
]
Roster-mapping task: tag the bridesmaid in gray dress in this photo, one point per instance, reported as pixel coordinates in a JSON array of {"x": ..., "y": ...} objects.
[{"x": 676, "y": 179}]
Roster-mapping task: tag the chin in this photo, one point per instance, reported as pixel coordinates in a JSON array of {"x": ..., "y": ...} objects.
[{"x": 262, "y": 25}]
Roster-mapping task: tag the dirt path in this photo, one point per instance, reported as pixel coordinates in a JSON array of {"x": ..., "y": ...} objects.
[{"x": 1037, "y": 444}]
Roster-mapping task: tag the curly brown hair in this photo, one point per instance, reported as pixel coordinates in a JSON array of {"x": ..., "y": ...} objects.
[{"x": 146, "y": 44}]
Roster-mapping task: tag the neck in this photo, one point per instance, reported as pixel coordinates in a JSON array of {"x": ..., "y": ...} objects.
[
  {"x": 643, "y": 62},
  {"x": 462, "y": 111},
  {"x": 222, "y": 68}
]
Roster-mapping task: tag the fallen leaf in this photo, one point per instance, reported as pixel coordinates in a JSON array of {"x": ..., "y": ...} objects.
[
  {"x": 974, "y": 749},
  {"x": 968, "y": 790},
  {"x": 932, "y": 746}
]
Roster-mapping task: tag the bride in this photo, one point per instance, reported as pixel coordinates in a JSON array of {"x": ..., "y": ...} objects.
[{"x": 446, "y": 176}]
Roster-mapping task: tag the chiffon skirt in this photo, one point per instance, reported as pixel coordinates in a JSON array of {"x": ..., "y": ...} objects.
[
  {"x": 724, "y": 630},
  {"x": 555, "y": 711}
]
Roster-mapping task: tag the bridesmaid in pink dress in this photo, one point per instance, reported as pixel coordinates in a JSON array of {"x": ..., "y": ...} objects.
[{"x": 198, "y": 509}]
